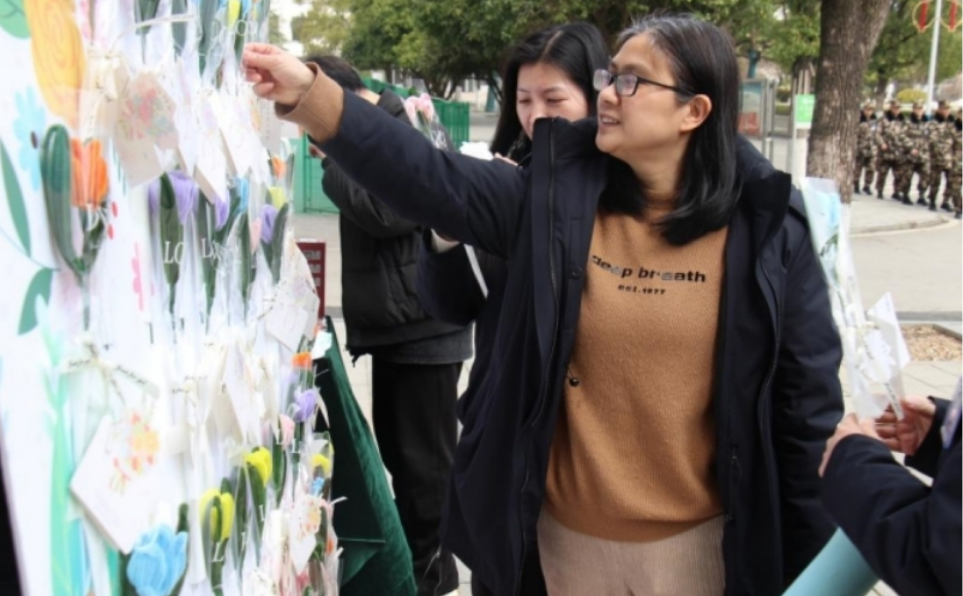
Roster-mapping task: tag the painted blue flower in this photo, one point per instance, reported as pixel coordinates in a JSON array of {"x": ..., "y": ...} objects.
[
  {"x": 317, "y": 486},
  {"x": 30, "y": 123},
  {"x": 157, "y": 561}
]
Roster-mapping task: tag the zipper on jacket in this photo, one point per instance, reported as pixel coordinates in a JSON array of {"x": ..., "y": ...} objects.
[
  {"x": 540, "y": 405},
  {"x": 734, "y": 472}
]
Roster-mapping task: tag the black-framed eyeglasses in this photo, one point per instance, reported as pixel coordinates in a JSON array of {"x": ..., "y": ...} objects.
[{"x": 627, "y": 84}]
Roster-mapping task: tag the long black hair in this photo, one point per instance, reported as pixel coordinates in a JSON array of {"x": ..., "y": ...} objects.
[
  {"x": 703, "y": 61},
  {"x": 577, "y": 49}
]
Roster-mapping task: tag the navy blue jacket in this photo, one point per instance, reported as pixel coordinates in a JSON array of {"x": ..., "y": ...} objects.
[
  {"x": 449, "y": 292},
  {"x": 909, "y": 533},
  {"x": 777, "y": 396}
]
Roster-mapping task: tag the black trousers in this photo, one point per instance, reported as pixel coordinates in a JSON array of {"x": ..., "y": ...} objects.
[{"x": 413, "y": 407}]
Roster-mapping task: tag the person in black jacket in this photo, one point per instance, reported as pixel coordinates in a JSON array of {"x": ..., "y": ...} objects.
[
  {"x": 663, "y": 300},
  {"x": 908, "y": 532},
  {"x": 415, "y": 359},
  {"x": 549, "y": 74}
]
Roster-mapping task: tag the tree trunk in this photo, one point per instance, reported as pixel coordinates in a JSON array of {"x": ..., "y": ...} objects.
[
  {"x": 848, "y": 35},
  {"x": 882, "y": 82},
  {"x": 494, "y": 83}
]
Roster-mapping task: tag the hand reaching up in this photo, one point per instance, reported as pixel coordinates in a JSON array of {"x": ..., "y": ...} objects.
[{"x": 277, "y": 75}]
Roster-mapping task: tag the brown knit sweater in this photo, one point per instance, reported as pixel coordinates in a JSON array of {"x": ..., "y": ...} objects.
[{"x": 632, "y": 459}]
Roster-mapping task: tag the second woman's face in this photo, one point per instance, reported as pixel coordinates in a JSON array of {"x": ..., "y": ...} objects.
[{"x": 544, "y": 91}]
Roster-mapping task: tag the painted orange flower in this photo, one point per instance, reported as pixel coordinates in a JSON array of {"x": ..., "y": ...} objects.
[
  {"x": 58, "y": 55},
  {"x": 302, "y": 360},
  {"x": 279, "y": 167},
  {"x": 89, "y": 170}
]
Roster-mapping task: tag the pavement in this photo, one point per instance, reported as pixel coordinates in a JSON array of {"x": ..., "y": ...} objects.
[{"x": 910, "y": 251}]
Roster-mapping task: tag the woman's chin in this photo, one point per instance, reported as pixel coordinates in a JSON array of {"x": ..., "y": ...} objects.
[{"x": 606, "y": 143}]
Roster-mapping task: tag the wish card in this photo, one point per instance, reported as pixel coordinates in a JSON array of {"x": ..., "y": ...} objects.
[{"x": 115, "y": 482}]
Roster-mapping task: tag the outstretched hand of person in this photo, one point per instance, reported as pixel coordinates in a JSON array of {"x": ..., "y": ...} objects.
[
  {"x": 277, "y": 75},
  {"x": 907, "y": 435}
]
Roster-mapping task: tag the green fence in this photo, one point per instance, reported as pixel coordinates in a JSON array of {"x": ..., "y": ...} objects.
[{"x": 309, "y": 197}]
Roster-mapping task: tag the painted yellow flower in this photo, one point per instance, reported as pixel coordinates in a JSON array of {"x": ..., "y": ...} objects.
[
  {"x": 278, "y": 196},
  {"x": 220, "y": 504},
  {"x": 260, "y": 458},
  {"x": 233, "y": 11},
  {"x": 320, "y": 461},
  {"x": 58, "y": 55}
]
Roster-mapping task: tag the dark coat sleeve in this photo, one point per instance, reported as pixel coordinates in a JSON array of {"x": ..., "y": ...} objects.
[
  {"x": 808, "y": 404},
  {"x": 909, "y": 533},
  {"x": 447, "y": 286},
  {"x": 475, "y": 201},
  {"x": 359, "y": 206}
]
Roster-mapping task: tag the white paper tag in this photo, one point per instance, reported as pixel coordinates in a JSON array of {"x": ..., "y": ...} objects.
[
  {"x": 952, "y": 419},
  {"x": 236, "y": 143},
  {"x": 139, "y": 159},
  {"x": 883, "y": 313},
  {"x": 322, "y": 343},
  {"x": 305, "y": 522},
  {"x": 210, "y": 172},
  {"x": 114, "y": 481},
  {"x": 240, "y": 389},
  {"x": 287, "y": 322}
]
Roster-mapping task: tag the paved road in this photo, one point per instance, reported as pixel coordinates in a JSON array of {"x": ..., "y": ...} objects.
[{"x": 921, "y": 268}]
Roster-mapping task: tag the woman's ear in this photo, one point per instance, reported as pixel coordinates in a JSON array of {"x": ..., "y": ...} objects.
[{"x": 698, "y": 110}]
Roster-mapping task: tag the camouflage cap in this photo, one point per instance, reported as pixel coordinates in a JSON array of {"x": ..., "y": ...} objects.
[
  {"x": 869, "y": 105},
  {"x": 917, "y": 105},
  {"x": 894, "y": 103},
  {"x": 943, "y": 105}
]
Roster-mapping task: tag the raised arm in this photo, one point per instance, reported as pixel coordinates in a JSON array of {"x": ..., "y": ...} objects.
[{"x": 475, "y": 201}]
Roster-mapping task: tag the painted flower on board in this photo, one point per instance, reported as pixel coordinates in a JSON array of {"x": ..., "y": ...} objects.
[
  {"x": 89, "y": 170},
  {"x": 157, "y": 561},
  {"x": 58, "y": 55},
  {"x": 29, "y": 126}
]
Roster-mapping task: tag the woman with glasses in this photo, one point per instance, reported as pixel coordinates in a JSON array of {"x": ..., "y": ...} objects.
[{"x": 664, "y": 374}]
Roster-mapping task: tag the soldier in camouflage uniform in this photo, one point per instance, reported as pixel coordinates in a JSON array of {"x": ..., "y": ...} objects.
[
  {"x": 915, "y": 149},
  {"x": 888, "y": 133},
  {"x": 865, "y": 148},
  {"x": 941, "y": 156},
  {"x": 954, "y": 182}
]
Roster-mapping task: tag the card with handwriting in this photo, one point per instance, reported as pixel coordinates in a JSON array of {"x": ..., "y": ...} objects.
[
  {"x": 305, "y": 522},
  {"x": 211, "y": 170},
  {"x": 115, "y": 482}
]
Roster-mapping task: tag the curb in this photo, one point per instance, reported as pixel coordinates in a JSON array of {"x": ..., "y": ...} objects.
[
  {"x": 948, "y": 332},
  {"x": 902, "y": 226}
]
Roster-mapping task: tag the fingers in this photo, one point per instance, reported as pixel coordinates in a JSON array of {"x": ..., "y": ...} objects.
[
  {"x": 885, "y": 431},
  {"x": 264, "y": 89},
  {"x": 892, "y": 444},
  {"x": 918, "y": 404}
]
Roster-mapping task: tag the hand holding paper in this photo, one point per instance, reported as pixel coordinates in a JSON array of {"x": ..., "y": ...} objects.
[{"x": 906, "y": 435}]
